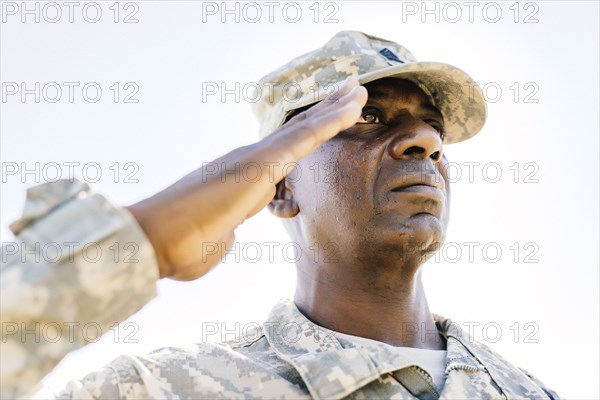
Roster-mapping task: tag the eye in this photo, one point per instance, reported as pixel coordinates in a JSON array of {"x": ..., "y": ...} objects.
[{"x": 369, "y": 116}]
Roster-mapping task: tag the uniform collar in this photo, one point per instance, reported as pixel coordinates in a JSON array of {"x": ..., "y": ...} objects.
[
  {"x": 466, "y": 353},
  {"x": 331, "y": 370},
  {"x": 459, "y": 355}
]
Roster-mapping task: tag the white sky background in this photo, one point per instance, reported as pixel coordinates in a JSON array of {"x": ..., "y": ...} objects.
[{"x": 170, "y": 52}]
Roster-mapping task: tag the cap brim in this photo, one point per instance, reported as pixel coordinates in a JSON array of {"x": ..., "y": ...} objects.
[{"x": 453, "y": 92}]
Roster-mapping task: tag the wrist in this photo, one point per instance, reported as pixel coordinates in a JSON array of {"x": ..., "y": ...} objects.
[{"x": 145, "y": 221}]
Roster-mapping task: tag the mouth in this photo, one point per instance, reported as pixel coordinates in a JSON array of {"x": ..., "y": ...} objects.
[
  {"x": 418, "y": 188},
  {"x": 421, "y": 183},
  {"x": 417, "y": 194},
  {"x": 421, "y": 190}
]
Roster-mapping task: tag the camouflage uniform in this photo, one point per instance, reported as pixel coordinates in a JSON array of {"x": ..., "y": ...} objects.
[
  {"x": 287, "y": 357},
  {"x": 60, "y": 271}
]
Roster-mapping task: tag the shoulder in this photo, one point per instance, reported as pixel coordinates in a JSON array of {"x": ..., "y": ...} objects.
[
  {"x": 204, "y": 369},
  {"x": 551, "y": 393}
]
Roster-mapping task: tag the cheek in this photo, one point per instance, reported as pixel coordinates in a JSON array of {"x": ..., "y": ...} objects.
[
  {"x": 443, "y": 168},
  {"x": 334, "y": 181}
]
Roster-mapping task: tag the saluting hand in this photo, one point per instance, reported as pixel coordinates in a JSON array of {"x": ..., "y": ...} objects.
[{"x": 204, "y": 207}]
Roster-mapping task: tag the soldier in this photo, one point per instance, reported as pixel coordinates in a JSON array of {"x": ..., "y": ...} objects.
[{"x": 384, "y": 208}]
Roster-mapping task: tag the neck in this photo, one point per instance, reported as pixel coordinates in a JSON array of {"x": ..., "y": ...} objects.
[{"x": 378, "y": 304}]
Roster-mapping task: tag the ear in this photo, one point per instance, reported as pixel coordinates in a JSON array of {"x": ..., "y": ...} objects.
[{"x": 283, "y": 204}]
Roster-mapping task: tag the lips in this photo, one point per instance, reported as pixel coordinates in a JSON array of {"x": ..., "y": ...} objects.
[
  {"x": 420, "y": 183},
  {"x": 423, "y": 191}
]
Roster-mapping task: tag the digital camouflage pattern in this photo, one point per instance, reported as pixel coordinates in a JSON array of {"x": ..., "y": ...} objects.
[
  {"x": 311, "y": 77},
  {"x": 52, "y": 274},
  {"x": 288, "y": 357}
]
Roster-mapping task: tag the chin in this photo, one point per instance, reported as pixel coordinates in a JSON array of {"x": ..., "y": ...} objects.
[
  {"x": 419, "y": 236},
  {"x": 426, "y": 232}
]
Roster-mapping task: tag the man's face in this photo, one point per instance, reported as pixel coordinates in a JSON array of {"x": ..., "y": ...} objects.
[{"x": 379, "y": 188}]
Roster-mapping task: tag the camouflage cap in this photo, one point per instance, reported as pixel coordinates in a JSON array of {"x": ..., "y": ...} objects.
[{"x": 309, "y": 78}]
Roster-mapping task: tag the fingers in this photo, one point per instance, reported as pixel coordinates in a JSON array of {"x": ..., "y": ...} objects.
[
  {"x": 296, "y": 141},
  {"x": 341, "y": 89},
  {"x": 328, "y": 124}
]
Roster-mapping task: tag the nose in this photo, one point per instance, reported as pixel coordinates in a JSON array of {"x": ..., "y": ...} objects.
[{"x": 417, "y": 140}]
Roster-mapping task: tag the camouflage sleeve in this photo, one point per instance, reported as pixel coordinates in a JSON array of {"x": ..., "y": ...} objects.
[
  {"x": 76, "y": 267},
  {"x": 551, "y": 393}
]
